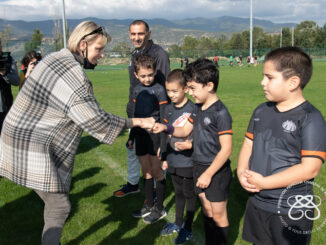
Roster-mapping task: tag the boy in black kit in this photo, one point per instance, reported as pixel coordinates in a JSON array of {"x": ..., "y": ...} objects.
[
  {"x": 149, "y": 99},
  {"x": 285, "y": 146},
  {"x": 212, "y": 144},
  {"x": 177, "y": 153}
]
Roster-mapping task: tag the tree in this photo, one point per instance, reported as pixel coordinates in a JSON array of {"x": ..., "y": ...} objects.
[
  {"x": 236, "y": 41},
  {"x": 286, "y": 37},
  {"x": 189, "y": 43},
  {"x": 36, "y": 41},
  {"x": 320, "y": 40},
  {"x": 122, "y": 48},
  {"x": 6, "y": 36},
  {"x": 305, "y": 34},
  {"x": 175, "y": 51}
]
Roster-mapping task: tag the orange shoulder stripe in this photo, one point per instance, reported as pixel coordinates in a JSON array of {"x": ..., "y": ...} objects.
[
  {"x": 314, "y": 153},
  {"x": 225, "y": 132},
  {"x": 250, "y": 136},
  {"x": 190, "y": 120},
  {"x": 163, "y": 102}
]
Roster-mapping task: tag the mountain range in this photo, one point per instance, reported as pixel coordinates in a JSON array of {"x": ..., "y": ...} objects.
[{"x": 165, "y": 32}]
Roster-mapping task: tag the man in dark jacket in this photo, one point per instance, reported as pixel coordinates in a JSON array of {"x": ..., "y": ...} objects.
[{"x": 139, "y": 34}]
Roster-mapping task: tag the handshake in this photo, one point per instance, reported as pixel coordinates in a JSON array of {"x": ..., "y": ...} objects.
[{"x": 149, "y": 124}]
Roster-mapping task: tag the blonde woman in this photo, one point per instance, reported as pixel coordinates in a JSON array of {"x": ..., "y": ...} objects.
[{"x": 42, "y": 131}]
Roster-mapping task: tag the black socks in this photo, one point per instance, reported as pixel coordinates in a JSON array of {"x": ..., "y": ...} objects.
[
  {"x": 215, "y": 235},
  {"x": 149, "y": 188},
  {"x": 160, "y": 193}
]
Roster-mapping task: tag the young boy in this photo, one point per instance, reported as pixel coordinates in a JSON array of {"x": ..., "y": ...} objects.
[
  {"x": 149, "y": 98},
  {"x": 177, "y": 153},
  {"x": 212, "y": 145},
  {"x": 285, "y": 146}
]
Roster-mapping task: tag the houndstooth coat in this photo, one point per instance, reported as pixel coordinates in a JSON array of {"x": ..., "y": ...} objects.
[{"x": 43, "y": 128}]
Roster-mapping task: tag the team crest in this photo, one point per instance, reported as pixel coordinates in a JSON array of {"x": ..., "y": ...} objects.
[
  {"x": 207, "y": 121},
  {"x": 289, "y": 126}
]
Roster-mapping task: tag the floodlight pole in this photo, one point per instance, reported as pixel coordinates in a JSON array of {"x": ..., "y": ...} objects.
[
  {"x": 250, "y": 29},
  {"x": 292, "y": 36},
  {"x": 64, "y": 24},
  {"x": 281, "y": 37}
]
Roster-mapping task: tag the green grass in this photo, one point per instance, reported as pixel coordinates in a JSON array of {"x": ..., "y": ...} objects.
[{"x": 99, "y": 218}]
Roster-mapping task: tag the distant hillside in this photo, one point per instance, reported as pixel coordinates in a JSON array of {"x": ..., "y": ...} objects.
[
  {"x": 224, "y": 24},
  {"x": 165, "y": 32}
]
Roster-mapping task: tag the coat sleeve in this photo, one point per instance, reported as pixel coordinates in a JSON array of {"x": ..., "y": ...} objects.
[{"x": 87, "y": 114}]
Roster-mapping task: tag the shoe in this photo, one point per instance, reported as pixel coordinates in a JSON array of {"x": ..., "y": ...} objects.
[
  {"x": 126, "y": 190},
  {"x": 183, "y": 236},
  {"x": 169, "y": 229},
  {"x": 155, "y": 215},
  {"x": 142, "y": 213}
]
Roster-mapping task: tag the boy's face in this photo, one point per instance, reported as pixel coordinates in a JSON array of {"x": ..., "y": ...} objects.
[
  {"x": 145, "y": 76},
  {"x": 175, "y": 91},
  {"x": 198, "y": 91},
  {"x": 275, "y": 87}
]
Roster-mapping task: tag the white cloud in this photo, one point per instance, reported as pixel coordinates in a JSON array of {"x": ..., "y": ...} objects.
[{"x": 276, "y": 10}]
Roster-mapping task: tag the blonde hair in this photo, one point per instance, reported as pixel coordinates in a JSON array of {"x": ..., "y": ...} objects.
[{"x": 82, "y": 31}]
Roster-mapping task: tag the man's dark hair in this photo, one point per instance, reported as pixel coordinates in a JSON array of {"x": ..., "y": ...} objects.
[
  {"x": 139, "y": 22},
  {"x": 177, "y": 76},
  {"x": 202, "y": 71},
  {"x": 291, "y": 61},
  {"x": 144, "y": 61}
]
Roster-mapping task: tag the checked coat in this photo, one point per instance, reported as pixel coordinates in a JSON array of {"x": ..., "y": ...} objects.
[{"x": 43, "y": 128}]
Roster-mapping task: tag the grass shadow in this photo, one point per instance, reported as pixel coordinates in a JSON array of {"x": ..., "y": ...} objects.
[
  {"x": 236, "y": 207},
  {"x": 21, "y": 221}
]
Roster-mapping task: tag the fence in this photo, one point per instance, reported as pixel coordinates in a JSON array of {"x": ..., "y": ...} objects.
[{"x": 16, "y": 47}]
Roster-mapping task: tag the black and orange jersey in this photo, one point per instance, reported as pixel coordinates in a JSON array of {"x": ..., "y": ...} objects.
[
  {"x": 280, "y": 141},
  {"x": 148, "y": 100},
  {"x": 178, "y": 118},
  {"x": 209, "y": 124}
]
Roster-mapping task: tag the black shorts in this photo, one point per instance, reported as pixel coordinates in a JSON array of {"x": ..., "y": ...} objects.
[
  {"x": 187, "y": 172},
  {"x": 262, "y": 227},
  {"x": 218, "y": 190},
  {"x": 184, "y": 186},
  {"x": 146, "y": 143}
]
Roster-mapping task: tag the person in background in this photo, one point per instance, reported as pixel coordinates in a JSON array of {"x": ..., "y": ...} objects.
[
  {"x": 8, "y": 76},
  {"x": 29, "y": 61}
]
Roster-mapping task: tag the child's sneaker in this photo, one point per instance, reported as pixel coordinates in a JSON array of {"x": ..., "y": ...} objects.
[
  {"x": 126, "y": 190},
  {"x": 142, "y": 213},
  {"x": 169, "y": 229},
  {"x": 183, "y": 236},
  {"x": 155, "y": 215}
]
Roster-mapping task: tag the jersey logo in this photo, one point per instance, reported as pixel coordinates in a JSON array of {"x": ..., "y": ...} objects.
[
  {"x": 289, "y": 126},
  {"x": 207, "y": 121}
]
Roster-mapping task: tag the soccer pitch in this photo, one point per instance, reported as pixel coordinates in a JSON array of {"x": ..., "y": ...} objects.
[{"x": 97, "y": 217}]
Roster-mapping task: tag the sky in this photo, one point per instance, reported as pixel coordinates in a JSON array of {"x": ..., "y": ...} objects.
[{"x": 278, "y": 11}]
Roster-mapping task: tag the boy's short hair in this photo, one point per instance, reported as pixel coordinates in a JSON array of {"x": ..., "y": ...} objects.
[
  {"x": 202, "y": 71},
  {"x": 140, "y": 22},
  {"x": 144, "y": 61},
  {"x": 177, "y": 76},
  {"x": 291, "y": 61}
]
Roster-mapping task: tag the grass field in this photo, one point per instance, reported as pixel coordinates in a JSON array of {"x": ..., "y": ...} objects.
[{"x": 99, "y": 218}]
